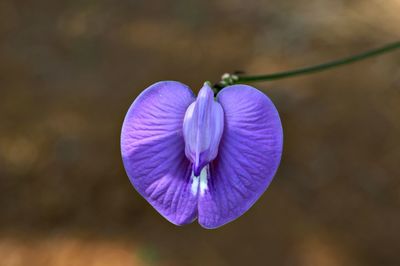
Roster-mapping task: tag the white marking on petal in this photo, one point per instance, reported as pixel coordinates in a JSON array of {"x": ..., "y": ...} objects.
[
  {"x": 203, "y": 180},
  {"x": 200, "y": 181},
  {"x": 195, "y": 184}
]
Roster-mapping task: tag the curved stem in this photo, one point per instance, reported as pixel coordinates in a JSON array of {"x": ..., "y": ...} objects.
[{"x": 230, "y": 79}]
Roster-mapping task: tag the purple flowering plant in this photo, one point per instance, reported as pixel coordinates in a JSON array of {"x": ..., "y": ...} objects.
[
  {"x": 206, "y": 158},
  {"x": 212, "y": 156}
]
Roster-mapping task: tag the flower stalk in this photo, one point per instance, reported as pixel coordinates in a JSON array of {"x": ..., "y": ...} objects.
[{"x": 231, "y": 79}]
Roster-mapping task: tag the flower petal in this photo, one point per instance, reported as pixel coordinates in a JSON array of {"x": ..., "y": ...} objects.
[
  {"x": 248, "y": 157},
  {"x": 153, "y": 150}
]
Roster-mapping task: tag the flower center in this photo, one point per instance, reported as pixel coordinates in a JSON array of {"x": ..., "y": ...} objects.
[{"x": 202, "y": 129}]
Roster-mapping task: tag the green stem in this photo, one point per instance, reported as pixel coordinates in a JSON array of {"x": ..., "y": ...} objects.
[{"x": 230, "y": 79}]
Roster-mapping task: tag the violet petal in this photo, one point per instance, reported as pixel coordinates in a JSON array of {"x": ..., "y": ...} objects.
[
  {"x": 248, "y": 157},
  {"x": 153, "y": 150}
]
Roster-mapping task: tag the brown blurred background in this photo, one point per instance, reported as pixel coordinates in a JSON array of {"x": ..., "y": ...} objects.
[{"x": 70, "y": 69}]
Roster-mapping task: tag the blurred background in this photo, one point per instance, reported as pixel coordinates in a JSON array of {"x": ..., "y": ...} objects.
[{"x": 69, "y": 70}]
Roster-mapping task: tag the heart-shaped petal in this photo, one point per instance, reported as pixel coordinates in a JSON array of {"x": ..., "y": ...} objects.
[
  {"x": 153, "y": 150},
  {"x": 248, "y": 157}
]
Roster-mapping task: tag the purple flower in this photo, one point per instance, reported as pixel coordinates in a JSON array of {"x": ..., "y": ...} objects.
[{"x": 203, "y": 158}]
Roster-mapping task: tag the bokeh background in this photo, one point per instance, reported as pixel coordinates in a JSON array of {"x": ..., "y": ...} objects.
[{"x": 69, "y": 70}]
